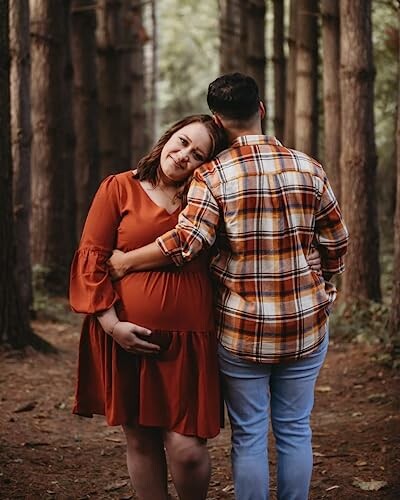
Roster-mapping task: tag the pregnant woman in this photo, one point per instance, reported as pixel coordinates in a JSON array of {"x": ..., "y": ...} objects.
[{"x": 147, "y": 356}]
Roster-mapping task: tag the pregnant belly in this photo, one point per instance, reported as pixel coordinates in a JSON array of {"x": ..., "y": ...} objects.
[{"x": 166, "y": 301}]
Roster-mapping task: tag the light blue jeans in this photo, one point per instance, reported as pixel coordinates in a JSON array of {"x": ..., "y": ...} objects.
[{"x": 252, "y": 391}]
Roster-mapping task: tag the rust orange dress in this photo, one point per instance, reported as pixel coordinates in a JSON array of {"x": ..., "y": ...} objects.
[{"x": 177, "y": 389}]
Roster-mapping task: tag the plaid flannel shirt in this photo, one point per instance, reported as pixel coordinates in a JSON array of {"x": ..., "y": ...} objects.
[{"x": 263, "y": 206}]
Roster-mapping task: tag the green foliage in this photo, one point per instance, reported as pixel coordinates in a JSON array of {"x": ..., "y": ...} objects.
[{"x": 188, "y": 56}]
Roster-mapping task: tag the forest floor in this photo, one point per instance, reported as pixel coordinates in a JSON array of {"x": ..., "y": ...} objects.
[{"x": 46, "y": 452}]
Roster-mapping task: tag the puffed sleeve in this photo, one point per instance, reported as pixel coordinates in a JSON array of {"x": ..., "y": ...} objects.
[{"x": 91, "y": 289}]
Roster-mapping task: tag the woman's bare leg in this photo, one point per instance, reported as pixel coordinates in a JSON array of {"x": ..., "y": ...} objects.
[
  {"x": 189, "y": 464},
  {"x": 146, "y": 462}
]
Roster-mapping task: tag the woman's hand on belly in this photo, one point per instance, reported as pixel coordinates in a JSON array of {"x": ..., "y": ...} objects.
[{"x": 130, "y": 337}]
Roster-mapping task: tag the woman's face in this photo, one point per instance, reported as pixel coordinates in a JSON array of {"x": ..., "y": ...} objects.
[{"x": 185, "y": 151}]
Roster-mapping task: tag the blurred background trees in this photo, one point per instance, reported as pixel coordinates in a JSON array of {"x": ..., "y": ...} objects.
[{"x": 94, "y": 82}]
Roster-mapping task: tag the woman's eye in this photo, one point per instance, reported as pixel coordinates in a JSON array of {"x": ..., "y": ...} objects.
[
  {"x": 184, "y": 142},
  {"x": 198, "y": 157}
]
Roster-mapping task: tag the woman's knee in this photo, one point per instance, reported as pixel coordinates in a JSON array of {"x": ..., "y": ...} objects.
[{"x": 187, "y": 452}]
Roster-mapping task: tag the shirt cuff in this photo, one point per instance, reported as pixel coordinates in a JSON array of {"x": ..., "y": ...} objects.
[
  {"x": 169, "y": 244},
  {"x": 333, "y": 266}
]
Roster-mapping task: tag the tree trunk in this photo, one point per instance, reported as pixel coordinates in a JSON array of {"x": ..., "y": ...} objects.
[
  {"x": 109, "y": 75},
  {"x": 306, "y": 128},
  {"x": 232, "y": 50},
  {"x": 127, "y": 49},
  {"x": 253, "y": 32},
  {"x": 14, "y": 317},
  {"x": 21, "y": 137},
  {"x": 358, "y": 156},
  {"x": 151, "y": 72},
  {"x": 331, "y": 62},
  {"x": 70, "y": 238},
  {"x": 138, "y": 112},
  {"x": 290, "y": 94},
  {"x": 49, "y": 228},
  {"x": 279, "y": 69},
  {"x": 394, "y": 324},
  {"x": 85, "y": 106}
]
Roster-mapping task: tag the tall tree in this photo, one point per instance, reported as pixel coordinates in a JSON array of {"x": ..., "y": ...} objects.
[
  {"x": 290, "y": 89},
  {"x": 232, "y": 50},
  {"x": 50, "y": 239},
  {"x": 306, "y": 114},
  {"x": 394, "y": 324},
  {"x": 21, "y": 137},
  {"x": 279, "y": 69},
  {"x": 83, "y": 49},
  {"x": 331, "y": 64},
  {"x": 151, "y": 70},
  {"x": 68, "y": 137},
  {"x": 14, "y": 316},
  {"x": 139, "y": 135},
  {"x": 109, "y": 74},
  {"x": 358, "y": 156},
  {"x": 253, "y": 41}
]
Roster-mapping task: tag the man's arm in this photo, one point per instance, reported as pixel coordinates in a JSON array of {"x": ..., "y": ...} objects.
[
  {"x": 194, "y": 232},
  {"x": 140, "y": 259},
  {"x": 331, "y": 233}
]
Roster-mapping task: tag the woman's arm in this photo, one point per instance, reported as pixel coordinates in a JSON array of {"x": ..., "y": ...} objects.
[{"x": 126, "y": 334}]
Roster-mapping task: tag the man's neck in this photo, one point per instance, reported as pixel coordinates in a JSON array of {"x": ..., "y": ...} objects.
[{"x": 234, "y": 133}]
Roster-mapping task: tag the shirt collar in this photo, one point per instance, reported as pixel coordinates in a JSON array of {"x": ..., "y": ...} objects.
[{"x": 251, "y": 140}]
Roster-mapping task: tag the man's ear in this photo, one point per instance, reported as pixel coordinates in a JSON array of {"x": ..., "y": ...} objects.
[
  {"x": 217, "y": 120},
  {"x": 261, "y": 108}
]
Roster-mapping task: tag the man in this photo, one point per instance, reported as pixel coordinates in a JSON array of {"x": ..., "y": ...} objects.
[{"x": 263, "y": 206}]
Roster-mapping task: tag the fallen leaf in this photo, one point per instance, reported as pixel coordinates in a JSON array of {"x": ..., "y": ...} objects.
[
  {"x": 372, "y": 485},
  {"x": 26, "y": 407},
  {"x": 115, "y": 486},
  {"x": 323, "y": 388},
  {"x": 114, "y": 440},
  {"x": 360, "y": 463},
  {"x": 333, "y": 487},
  {"x": 228, "y": 489},
  {"x": 317, "y": 454}
]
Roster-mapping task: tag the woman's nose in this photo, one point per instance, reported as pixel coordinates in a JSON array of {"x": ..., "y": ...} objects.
[{"x": 183, "y": 155}]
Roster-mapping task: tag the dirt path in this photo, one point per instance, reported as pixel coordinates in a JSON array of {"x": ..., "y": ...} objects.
[{"x": 45, "y": 452}]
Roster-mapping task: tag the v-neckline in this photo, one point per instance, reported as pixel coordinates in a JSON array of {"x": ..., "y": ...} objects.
[{"x": 156, "y": 204}]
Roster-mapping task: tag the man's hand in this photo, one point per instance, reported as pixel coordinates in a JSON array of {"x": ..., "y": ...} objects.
[
  {"x": 127, "y": 336},
  {"x": 314, "y": 260},
  {"x": 118, "y": 265}
]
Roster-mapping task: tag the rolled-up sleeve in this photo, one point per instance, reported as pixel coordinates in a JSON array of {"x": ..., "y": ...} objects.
[
  {"x": 197, "y": 224},
  {"x": 91, "y": 289},
  {"x": 330, "y": 232}
]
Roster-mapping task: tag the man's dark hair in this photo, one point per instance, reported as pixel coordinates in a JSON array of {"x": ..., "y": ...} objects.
[{"x": 234, "y": 96}]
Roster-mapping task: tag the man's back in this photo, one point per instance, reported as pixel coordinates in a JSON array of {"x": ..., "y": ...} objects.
[{"x": 272, "y": 203}]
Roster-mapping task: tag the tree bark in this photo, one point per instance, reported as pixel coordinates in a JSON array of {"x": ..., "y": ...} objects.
[
  {"x": 150, "y": 18},
  {"x": 138, "y": 113},
  {"x": 306, "y": 128},
  {"x": 109, "y": 75},
  {"x": 50, "y": 231},
  {"x": 394, "y": 323},
  {"x": 21, "y": 138},
  {"x": 253, "y": 36},
  {"x": 358, "y": 157},
  {"x": 290, "y": 93},
  {"x": 279, "y": 69},
  {"x": 14, "y": 318},
  {"x": 331, "y": 68},
  {"x": 232, "y": 50},
  {"x": 85, "y": 106}
]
